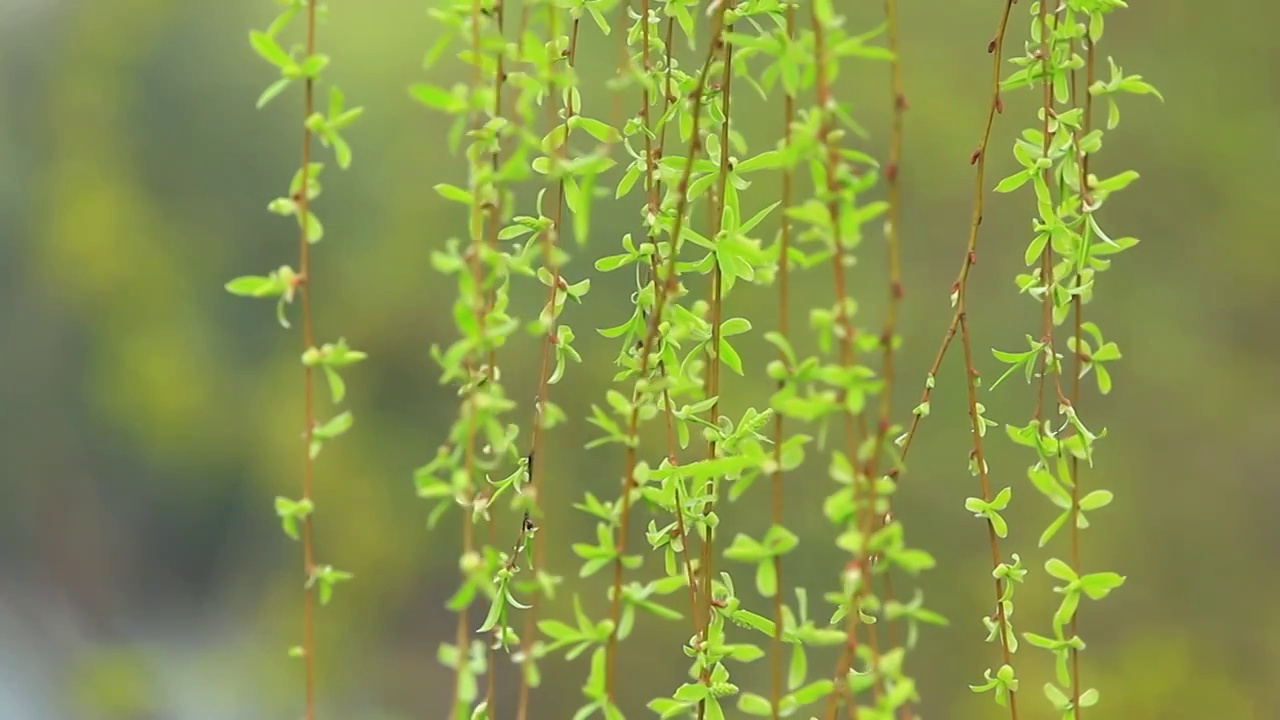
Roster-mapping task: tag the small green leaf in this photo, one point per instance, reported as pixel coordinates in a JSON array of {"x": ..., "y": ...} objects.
[
  {"x": 271, "y": 92},
  {"x": 597, "y": 129},
  {"x": 1096, "y": 499},
  {"x": 454, "y": 193},
  {"x": 269, "y": 50}
]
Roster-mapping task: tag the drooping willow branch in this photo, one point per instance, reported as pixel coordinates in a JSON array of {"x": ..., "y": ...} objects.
[{"x": 647, "y": 344}]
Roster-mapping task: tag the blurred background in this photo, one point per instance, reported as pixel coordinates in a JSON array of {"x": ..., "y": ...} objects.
[{"x": 148, "y": 418}]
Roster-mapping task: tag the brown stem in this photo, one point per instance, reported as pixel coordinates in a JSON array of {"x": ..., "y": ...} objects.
[
  {"x": 495, "y": 221},
  {"x": 536, "y": 456},
  {"x": 894, "y": 182},
  {"x": 863, "y": 510},
  {"x": 959, "y": 288},
  {"x": 980, "y": 459},
  {"x": 1049, "y": 363},
  {"x": 651, "y": 332},
  {"x": 775, "y": 660},
  {"x": 712, "y": 380},
  {"x": 478, "y": 306},
  {"x": 308, "y": 393},
  {"x": 653, "y": 195},
  {"x": 1077, "y": 307},
  {"x": 960, "y": 321},
  {"x": 669, "y": 426},
  {"x": 978, "y": 158}
]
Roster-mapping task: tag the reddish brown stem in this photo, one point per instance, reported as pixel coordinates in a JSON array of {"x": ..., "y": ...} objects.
[
  {"x": 308, "y": 393},
  {"x": 893, "y": 178},
  {"x": 960, "y": 321},
  {"x": 536, "y": 456},
  {"x": 845, "y": 333},
  {"x": 959, "y": 287},
  {"x": 1077, "y": 307},
  {"x": 495, "y": 221},
  {"x": 980, "y": 459},
  {"x": 775, "y": 659},
  {"x": 653, "y": 194},
  {"x": 1049, "y": 363},
  {"x": 669, "y": 426},
  {"x": 478, "y": 305},
  {"x": 712, "y": 380},
  {"x": 978, "y": 158}
]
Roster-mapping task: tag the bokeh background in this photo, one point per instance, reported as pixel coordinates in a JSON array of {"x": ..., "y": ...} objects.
[{"x": 148, "y": 418}]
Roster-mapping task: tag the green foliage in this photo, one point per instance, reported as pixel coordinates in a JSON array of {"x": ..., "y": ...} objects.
[
  {"x": 700, "y": 227},
  {"x": 1068, "y": 250}
]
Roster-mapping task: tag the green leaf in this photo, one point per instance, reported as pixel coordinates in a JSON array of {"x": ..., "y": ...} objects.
[
  {"x": 597, "y": 129},
  {"x": 1096, "y": 499},
  {"x": 337, "y": 388},
  {"x": 798, "y": 668},
  {"x": 255, "y": 286},
  {"x": 752, "y": 704},
  {"x": 768, "y": 160},
  {"x": 1098, "y": 585},
  {"x": 495, "y": 613},
  {"x": 437, "y": 98},
  {"x": 730, "y": 357},
  {"x": 1014, "y": 181},
  {"x": 666, "y": 707},
  {"x": 1054, "y": 527},
  {"x": 691, "y": 692},
  {"x": 271, "y": 92},
  {"x": 1060, "y": 570},
  {"x": 269, "y": 50},
  {"x": 998, "y": 524},
  {"x": 766, "y": 579},
  {"x": 734, "y": 326},
  {"x": 454, "y": 193}
]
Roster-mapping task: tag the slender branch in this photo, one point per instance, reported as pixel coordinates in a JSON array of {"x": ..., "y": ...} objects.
[
  {"x": 845, "y": 332},
  {"x": 495, "y": 222},
  {"x": 887, "y": 336},
  {"x": 1078, "y": 310},
  {"x": 712, "y": 380},
  {"x": 308, "y": 393},
  {"x": 959, "y": 288},
  {"x": 980, "y": 459},
  {"x": 977, "y": 158},
  {"x": 478, "y": 305},
  {"x": 653, "y": 195},
  {"x": 537, "y": 454},
  {"x": 960, "y": 321},
  {"x": 788, "y": 117},
  {"x": 1049, "y": 361},
  {"x": 651, "y": 332}
]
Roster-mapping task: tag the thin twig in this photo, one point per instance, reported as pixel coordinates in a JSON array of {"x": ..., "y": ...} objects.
[
  {"x": 788, "y": 117},
  {"x": 550, "y": 237},
  {"x": 653, "y": 195},
  {"x": 959, "y": 288},
  {"x": 470, "y": 406},
  {"x": 308, "y": 394},
  {"x": 980, "y": 459},
  {"x": 712, "y": 380},
  {"x": 495, "y": 221},
  {"x": 893, "y": 174},
  {"x": 1078, "y": 310},
  {"x": 845, "y": 331},
  {"x": 978, "y": 158},
  {"x": 1048, "y": 358}
]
